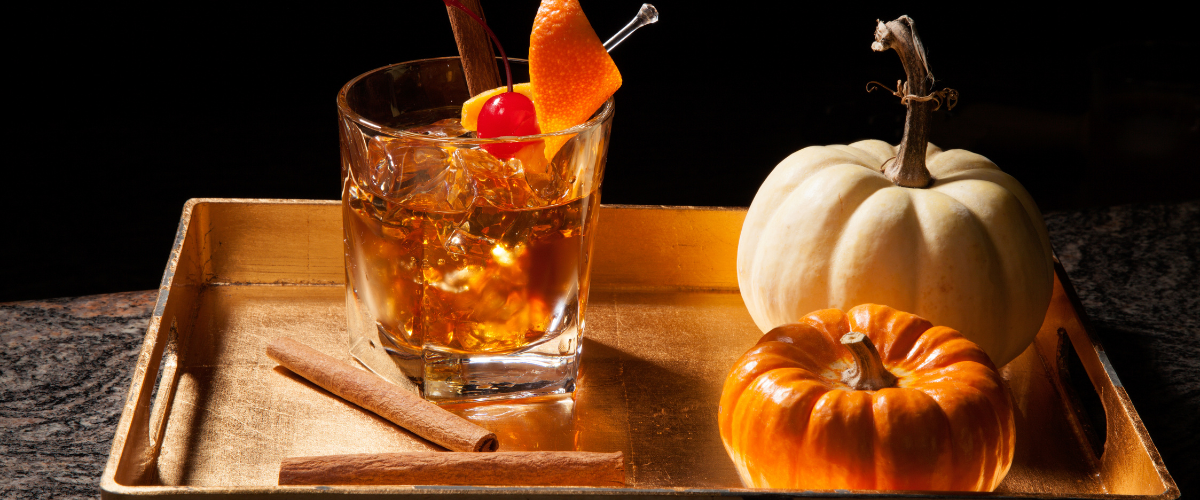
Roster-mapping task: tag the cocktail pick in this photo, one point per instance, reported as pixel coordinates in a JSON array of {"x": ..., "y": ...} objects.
[{"x": 646, "y": 15}]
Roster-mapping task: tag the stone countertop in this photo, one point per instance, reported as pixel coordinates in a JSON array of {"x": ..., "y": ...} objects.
[
  {"x": 66, "y": 364},
  {"x": 1136, "y": 269},
  {"x": 65, "y": 371}
]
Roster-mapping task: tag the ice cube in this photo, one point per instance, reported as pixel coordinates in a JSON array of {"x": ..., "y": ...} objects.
[
  {"x": 382, "y": 163},
  {"x": 500, "y": 184},
  {"x": 480, "y": 162},
  {"x": 450, "y": 127},
  {"x": 518, "y": 232},
  {"x": 418, "y": 175},
  {"x": 551, "y": 182},
  {"x": 573, "y": 172},
  {"x": 463, "y": 242},
  {"x": 462, "y": 279},
  {"x": 479, "y": 231}
]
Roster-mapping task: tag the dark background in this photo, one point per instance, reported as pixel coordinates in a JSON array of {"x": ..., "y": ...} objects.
[{"x": 122, "y": 113}]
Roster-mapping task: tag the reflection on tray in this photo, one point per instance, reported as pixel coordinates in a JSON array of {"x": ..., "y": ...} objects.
[{"x": 664, "y": 325}]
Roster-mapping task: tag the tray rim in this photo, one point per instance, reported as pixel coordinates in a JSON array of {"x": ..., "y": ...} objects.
[{"x": 110, "y": 488}]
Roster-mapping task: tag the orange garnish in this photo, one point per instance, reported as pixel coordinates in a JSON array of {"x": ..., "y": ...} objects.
[
  {"x": 572, "y": 74},
  {"x": 471, "y": 108}
]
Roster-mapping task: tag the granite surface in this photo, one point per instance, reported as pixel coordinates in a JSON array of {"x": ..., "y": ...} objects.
[
  {"x": 66, "y": 363},
  {"x": 1136, "y": 269},
  {"x": 65, "y": 371}
]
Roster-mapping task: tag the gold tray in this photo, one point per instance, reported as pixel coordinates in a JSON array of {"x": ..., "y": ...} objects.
[{"x": 208, "y": 414}]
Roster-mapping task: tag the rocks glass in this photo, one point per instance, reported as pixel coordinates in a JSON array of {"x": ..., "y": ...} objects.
[{"x": 466, "y": 271}]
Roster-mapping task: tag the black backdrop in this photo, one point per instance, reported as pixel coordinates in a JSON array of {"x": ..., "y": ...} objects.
[{"x": 123, "y": 113}]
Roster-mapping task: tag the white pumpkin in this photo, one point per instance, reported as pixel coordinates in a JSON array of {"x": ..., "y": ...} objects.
[
  {"x": 827, "y": 230},
  {"x": 942, "y": 234}
]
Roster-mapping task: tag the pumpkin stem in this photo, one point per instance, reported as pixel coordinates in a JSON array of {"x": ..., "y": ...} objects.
[
  {"x": 868, "y": 373},
  {"x": 908, "y": 168}
]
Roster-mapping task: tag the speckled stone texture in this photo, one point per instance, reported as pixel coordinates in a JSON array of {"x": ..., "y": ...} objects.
[
  {"x": 66, "y": 364},
  {"x": 64, "y": 373},
  {"x": 1136, "y": 269}
]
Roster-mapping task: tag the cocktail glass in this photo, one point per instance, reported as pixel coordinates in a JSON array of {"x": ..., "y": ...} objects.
[{"x": 469, "y": 271}]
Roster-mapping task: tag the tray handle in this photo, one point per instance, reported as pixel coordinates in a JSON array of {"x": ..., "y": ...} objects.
[
  {"x": 1124, "y": 455},
  {"x": 167, "y": 375}
]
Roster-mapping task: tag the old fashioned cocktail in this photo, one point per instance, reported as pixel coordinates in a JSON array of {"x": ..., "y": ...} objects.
[{"x": 470, "y": 270}]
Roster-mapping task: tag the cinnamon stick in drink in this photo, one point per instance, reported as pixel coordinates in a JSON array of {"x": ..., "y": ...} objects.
[
  {"x": 516, "y": 468},
  {"x": 478, "y": 59},
  {"x": 364, "y": 389}
]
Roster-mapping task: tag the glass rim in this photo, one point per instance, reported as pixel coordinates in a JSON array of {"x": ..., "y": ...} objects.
[{"x": 602, "y": 114}]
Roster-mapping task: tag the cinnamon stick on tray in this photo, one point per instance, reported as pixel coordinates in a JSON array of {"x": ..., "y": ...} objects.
[
  {"x": 364, "y": 389},
  {"x": 515, "y": 468}
]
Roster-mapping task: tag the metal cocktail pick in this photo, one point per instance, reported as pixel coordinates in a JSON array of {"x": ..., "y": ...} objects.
[{"x": 646, "y": 15}]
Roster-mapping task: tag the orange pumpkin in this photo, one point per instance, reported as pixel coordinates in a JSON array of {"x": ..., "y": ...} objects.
[{"x": 814, "y": 405}]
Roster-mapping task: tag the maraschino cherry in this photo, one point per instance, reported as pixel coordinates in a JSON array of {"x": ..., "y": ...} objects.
[{"x": 506, "y": 114}]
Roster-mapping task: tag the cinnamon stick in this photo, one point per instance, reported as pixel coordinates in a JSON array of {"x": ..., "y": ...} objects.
[
  {"x": 367, "y": 390},
  {"x": 516, "y": 468},
  {"x": 475, "y": 48}
]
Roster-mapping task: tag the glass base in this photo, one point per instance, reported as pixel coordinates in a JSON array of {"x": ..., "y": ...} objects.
[
  {"x": 547, "y": 368},
  {"x": 480, "y": 376}
]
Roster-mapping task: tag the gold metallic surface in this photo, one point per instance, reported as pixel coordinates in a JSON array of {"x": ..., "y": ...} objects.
[
  {"x": 664, "y": 325},
  {"x": 667, "y": 248}
]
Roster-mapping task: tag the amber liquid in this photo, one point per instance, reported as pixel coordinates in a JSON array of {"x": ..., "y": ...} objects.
[{"x": 486, "y": 279}]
